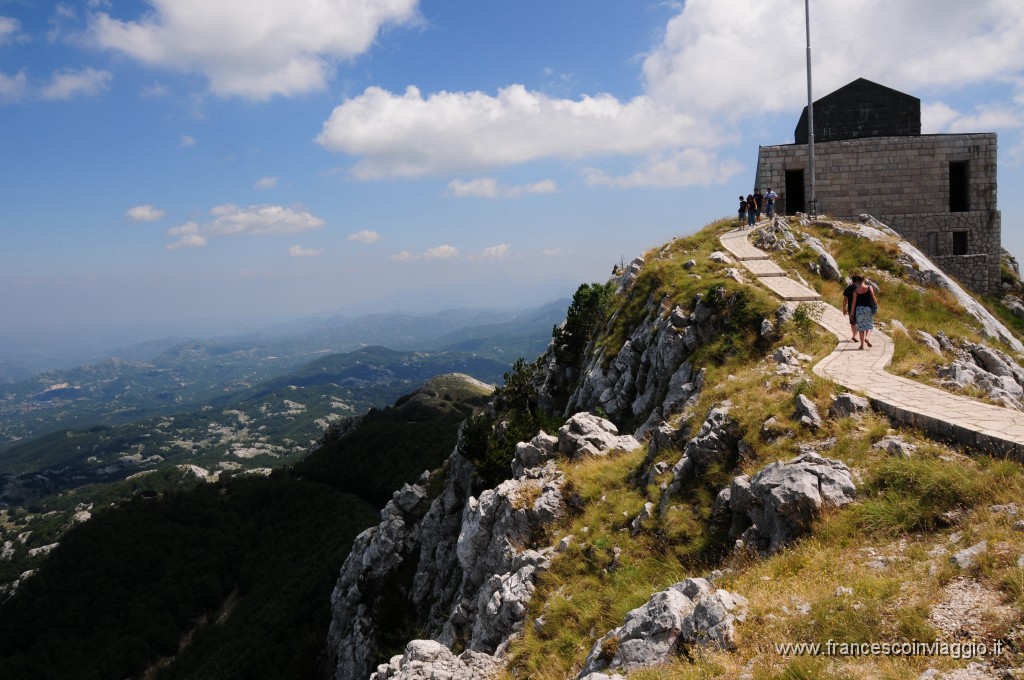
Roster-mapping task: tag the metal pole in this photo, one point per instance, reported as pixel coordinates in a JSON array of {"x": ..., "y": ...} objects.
[{"x": 810, "y": 114}]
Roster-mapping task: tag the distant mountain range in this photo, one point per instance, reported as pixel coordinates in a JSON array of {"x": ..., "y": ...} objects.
[{"x": 160, "y": 377}]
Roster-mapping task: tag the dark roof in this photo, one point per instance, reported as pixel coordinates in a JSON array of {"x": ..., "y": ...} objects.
[{"x": 862, "y": 109}]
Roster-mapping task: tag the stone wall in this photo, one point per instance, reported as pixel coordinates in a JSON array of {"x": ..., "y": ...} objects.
[{"x": 905, "y": 183}]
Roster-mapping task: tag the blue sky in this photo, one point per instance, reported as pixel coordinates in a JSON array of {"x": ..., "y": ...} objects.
[{"x": 165, "y": 163}]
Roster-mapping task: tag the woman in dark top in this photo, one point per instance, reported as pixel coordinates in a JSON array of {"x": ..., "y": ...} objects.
[{"x": 863, "y": 307}]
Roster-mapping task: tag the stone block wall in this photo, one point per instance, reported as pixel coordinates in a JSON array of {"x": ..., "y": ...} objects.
[{"x": 905, "y": 183}]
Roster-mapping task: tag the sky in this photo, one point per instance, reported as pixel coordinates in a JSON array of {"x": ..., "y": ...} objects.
[{"x": 167, "y": 164}]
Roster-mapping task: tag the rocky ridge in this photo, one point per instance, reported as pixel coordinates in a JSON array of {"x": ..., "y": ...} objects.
[{"x": 648, "y": 382}]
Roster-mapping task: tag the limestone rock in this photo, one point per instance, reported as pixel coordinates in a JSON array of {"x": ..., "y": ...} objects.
[
  {"x": 691, "y": 612},
  {"x": 930, "y": 342},
  {"x": 848, "y": 404},
  {"x": 586, "y": 433},
  {"x": 827, "y": 266},
  {"x": 807, "y": 412},
  {"x": 779, "y": 503},
  {"x": 720, "y": 257},
  {"x": 966, "y": 557},
  {"x": 427, "y": 659},
  {"x": 534, "y": 453},
  {"x": 896, "y": 446}
]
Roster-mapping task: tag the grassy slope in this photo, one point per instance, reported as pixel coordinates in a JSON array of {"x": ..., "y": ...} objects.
[{"x": 908, "y": 511}]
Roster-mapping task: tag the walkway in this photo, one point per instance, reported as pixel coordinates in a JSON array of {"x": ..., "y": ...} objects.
[{"x": 992, "y": 429}]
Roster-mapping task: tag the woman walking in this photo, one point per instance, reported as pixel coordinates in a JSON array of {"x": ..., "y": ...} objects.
[{"x": 863, "y": 308}]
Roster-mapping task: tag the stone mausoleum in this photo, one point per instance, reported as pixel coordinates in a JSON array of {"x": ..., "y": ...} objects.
[{"x": 937, "y": 191}]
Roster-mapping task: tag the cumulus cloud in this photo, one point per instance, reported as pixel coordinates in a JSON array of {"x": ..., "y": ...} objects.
[
  {"x": 939, "y": 117},
  {"x": 144, "y": 213},
  {"x": 443, "y": 252},
  {"x": 10, "y": 30},
  {"x": 281, "y": 47},
  {"x": 231, "y": 220},
  {"x": 491, "y": 254},
  {"x": 260, "y": 219},
  {"x": 187, "y": 241},
  {"x": 488, "y": 187},
  {"x": 299, "y": 251},
  {"x": 13, "y": 87},
  {"x": 266, "y": 183},
  {"x": 708, "y": 60},
  {"x": 69, "y": 83},
  {"x": 365, "y": 236},
  {"x": 187, "y": 141},
  {"x": 709, "y": 73},
  {"x": 410, "y": 135},
  {"x": 677, "y": 168}
]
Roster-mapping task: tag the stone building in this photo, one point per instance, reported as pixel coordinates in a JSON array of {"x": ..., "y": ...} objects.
[{"x": 937, "y": 191}]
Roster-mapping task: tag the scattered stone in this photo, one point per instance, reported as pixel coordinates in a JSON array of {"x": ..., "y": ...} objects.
[
  {"x": 807, "y": 412},
  {"x": 690, "y": 264},
  {"x": 966, "y": 557},
  {"x": 637, "y": 524},
  {"x": 848, "y": 404},
  {"x": 720, "y": 257},
  {"x": 1010, "y": 510},
  {"x": 842, "y": 591},
  {"x": 1014, "y": 304},
  {"x": 896, "y": 446},
  {"x": 897, "y": 326},
  {"x": 930, "y": 341},
  {"x": 42, "y": 550},
  {"x": 827, "y": 267},
  {"x": 767, "y": 329}
]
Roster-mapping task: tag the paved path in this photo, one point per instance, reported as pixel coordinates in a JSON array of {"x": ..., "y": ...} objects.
[{"x": 992, "y": 429}]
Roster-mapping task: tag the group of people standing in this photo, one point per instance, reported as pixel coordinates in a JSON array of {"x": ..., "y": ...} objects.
[
  {"x": 860, "y": 305},
  {"x": 753, "y": 204}
]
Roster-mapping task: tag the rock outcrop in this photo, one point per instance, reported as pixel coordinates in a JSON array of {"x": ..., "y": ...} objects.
[
  {"x": 425, "y": 659},
  {"x": 781, "y": 501},
  {"x": 472, "y": 564},
  {"x": 691, "y": 612}
]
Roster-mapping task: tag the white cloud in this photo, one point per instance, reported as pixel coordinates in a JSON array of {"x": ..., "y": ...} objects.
[
  {"x": 260, "y": 219},
  {"x": 10, "y": 30},
  {"x": 553, "y": 252},
  {"x": 299, "y": 251},
  {"x": 144, "y": 213},
  {"x": 488, "y": 187},
  {"x": 684, "y": 167},
  {"x": 714, "y": 59},
  {"x": 231, "y": 220},
  {"x": 154, "y": 91},
  {"x": 408, "y": 135},
  {"x": 69, "y": 83},
  {"x": 443, "y": 252},
  {"x": 187, "y": 141},
  {"x": 187, "y": 241},
  {"x": 940, "y": 117},
  {"x": 13, "y": 87},
  {"x": 365, "y": 236},
  {"x": 491, "y": 254},
  {"x": 718, "y": 65},
  {"x": 278, "y": 47},
  {"x": 266, "y": 183}
]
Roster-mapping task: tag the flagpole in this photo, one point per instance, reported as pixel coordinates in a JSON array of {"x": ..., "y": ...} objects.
[{"x": 810, "y": 113}]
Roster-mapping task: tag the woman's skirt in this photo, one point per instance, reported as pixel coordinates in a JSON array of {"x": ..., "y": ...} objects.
[{"x": 865, "y": 319}]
